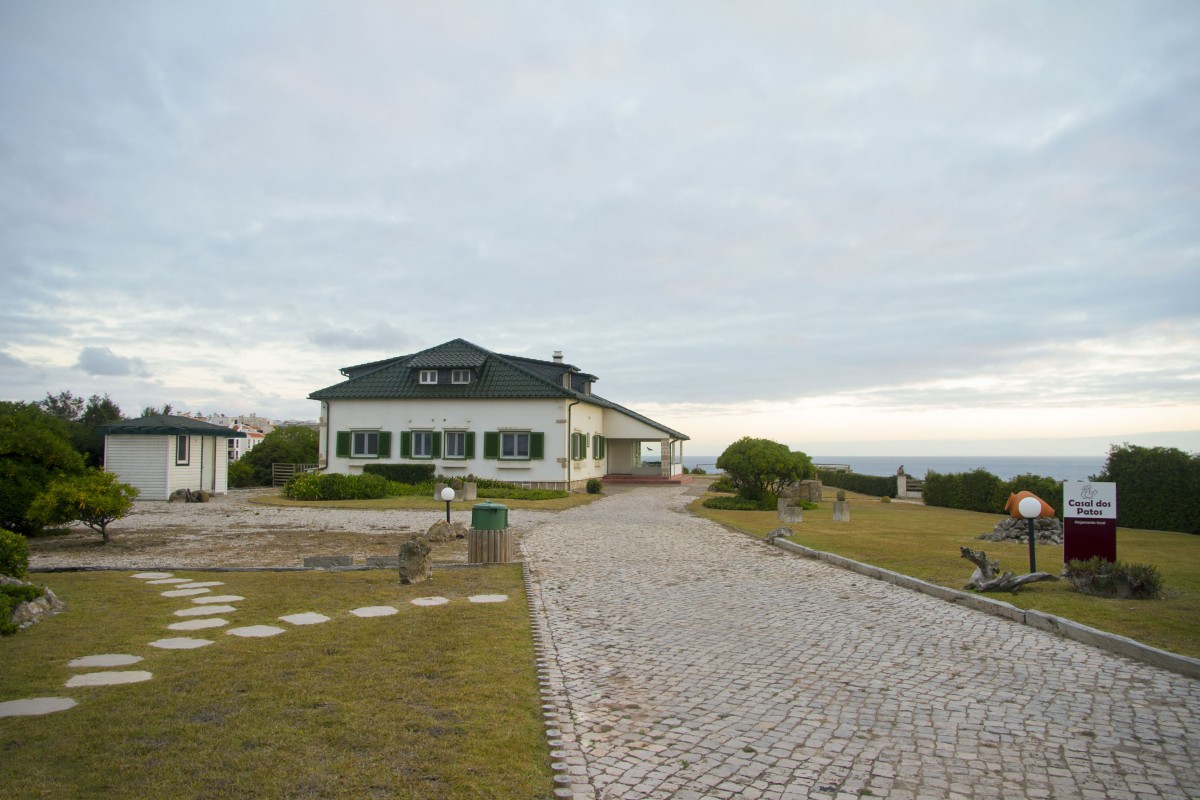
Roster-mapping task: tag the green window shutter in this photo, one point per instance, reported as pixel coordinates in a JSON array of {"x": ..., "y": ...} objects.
[
  {"x": 385, "y": 444},
  {"x": 469, "y": 444},
  {"x": 491, "y": 444},
  {"x": 435, "y": 448},
  {"x": 343, "y": 444},
  {"x": 537, "y": 446},
  {"x": 406, "y": 444},
  {"x": 583, "y": 445}
]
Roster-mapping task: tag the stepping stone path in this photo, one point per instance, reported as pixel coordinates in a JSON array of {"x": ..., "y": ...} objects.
[{"x": 203, "y": 607}]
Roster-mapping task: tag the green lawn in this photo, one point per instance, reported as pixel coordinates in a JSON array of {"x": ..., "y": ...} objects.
[
  {"x": 437, "y": 702},
  {"x": 924, "y": 542}
]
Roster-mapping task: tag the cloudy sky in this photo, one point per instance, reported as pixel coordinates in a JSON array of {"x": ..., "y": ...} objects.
[{"x": 852, "y": 227}]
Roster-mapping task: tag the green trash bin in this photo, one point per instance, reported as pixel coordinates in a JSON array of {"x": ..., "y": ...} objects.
[{"x": 489, "y": 516}]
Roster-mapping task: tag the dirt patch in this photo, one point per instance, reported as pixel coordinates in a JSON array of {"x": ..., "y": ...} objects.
[{"x": 232, "y": 531}]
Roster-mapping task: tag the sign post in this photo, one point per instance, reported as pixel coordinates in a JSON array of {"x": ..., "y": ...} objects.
[{"x": 1089, "y": 520}]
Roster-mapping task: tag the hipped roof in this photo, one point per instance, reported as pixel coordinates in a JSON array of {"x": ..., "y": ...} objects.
[{"x": 167, "y": 425}]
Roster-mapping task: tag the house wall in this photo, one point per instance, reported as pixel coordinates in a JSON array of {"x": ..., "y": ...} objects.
[
  {"x": 184, "y": 476},
  {"x": 140, "y": 461},
  {"x": 396, "y": 416}
]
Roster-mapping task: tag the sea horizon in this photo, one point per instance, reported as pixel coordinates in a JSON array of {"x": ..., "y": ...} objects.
[{"x": 1062, "y": 468}]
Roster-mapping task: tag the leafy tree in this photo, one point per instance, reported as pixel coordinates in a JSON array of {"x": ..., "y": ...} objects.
[
  {"x": 1157, "y": 487},
  {"x": 760, "y": 468},
  {"x": 150, "y": 411},
  {"x": 63, "y": 406},
  {"x": 291, "y": 444},
  {"x": 95, "y": 498},
  {"x": 35, "y": 448},
  {"x": 98, "y": 411}
]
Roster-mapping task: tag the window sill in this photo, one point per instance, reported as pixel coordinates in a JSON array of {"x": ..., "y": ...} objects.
[{"x": 512, "y": 465}]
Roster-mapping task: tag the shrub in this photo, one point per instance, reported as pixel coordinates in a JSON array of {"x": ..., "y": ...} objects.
[
  {"x": 335, "y": 486},
  {"x": 739, "y": 504},
  {"x": 509, "y": 492},
  {"x": 404, "y": 473},
  {"x": 35, "y": 448},
  {"x": 872, "y": 485},
  {"x": 594, "y": 486},
  {"x": 698, "y": 471},
  {"x": 1048, "y": 489},
  {"x": 760, "y": 468},
  {"x": 885, "y": 499},
  {"x": 978, "y": 490},
  {"x": 96, "y": 498},
  {"x": 1114, "y": 579},
  {"x": 14, "y": 554},
  {"x": 397, "y": 489},
  {"x": 290, "y": 444},
  {"x": 723, "y": 485},
  {"x": 10, "y": 598},
  {"x": 1157, "y": 487}
]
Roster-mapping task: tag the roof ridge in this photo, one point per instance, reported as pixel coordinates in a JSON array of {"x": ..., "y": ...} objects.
[{"x": 508, "y": 360}]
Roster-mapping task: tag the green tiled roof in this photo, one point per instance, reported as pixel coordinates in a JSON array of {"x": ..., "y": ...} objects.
[
  {"x": 162, "y": 425},
  {"x": 493, "y": 376}
]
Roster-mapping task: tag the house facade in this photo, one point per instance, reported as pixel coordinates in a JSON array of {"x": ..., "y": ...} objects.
[
  {"x": 160, "y": 454},
  {"x": 469, "y": 411}
]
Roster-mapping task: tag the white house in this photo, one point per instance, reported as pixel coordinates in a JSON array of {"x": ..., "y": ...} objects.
[
  {"x": 160, "y": 454},
  {"x": 469, "y": 411}
]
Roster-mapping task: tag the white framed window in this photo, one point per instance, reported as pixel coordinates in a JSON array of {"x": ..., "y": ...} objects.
[
  {"x": 183, "y": 450},
  {"x": 514, "y": 444},
  {"x": 578, "y": 446},
  {"x": 460, "y": 376},
  {"x": 422, "y": 444},
  {"x": 429, "y": 376},
  {"x": 365, "y": 444},
  {"x": 456, "y": 444}
]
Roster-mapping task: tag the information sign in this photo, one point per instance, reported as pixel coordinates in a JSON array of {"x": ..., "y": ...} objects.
[{"x": 1089, "y": 520}]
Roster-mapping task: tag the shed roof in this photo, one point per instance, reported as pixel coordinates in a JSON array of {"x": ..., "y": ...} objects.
[{"x": 167, "y": 425}]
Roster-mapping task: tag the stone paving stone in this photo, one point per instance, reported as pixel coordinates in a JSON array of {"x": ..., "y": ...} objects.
[{"x": 693, "y": 661}]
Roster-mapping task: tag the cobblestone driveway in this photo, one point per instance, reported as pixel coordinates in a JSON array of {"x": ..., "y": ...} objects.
[{"x": 690, "y": 662}]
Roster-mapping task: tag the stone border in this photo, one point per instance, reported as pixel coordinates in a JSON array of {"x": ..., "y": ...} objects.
[
  {"x": 353, "y": 568},
  {"x": 1119, "y": 645}
]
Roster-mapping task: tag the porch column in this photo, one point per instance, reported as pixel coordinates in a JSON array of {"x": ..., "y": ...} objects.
[{"x": 665, "y": 454}]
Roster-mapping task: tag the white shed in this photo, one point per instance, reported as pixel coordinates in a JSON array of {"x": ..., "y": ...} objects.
[{"x": 160, "y": 454}]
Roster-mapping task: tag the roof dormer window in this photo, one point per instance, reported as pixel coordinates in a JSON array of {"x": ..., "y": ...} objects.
[
  {"x": 460, "y": 376},
  {"x": 429, "y": 376}
]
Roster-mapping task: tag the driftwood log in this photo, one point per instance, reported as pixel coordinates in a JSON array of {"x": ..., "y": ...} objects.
[{"x": 986, "y": 579}]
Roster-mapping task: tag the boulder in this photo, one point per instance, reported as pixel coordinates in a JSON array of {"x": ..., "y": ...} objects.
[
  {"x": 415, "y": 565},
  {"x": 31, "y": 611},
  {"x": 442, "y": 531},
  {"x": 189, "y": 496},
  {"x": 1049, "y": 530}
]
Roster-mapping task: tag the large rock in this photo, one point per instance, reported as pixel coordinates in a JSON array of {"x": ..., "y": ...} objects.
[
  {"x": 31, "y": 611},
  {"x": 1049, "y": 530},
  {"x": 442, "y": 531},
  {"x": 415, "y": 563},
  {"x": 189, "y": 496}
]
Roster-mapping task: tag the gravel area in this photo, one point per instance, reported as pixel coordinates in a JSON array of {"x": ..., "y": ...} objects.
[{"x": 231, "y": 530}]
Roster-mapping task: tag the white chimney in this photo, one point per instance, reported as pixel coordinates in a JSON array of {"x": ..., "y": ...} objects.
[{"x": 558, "y": 358}]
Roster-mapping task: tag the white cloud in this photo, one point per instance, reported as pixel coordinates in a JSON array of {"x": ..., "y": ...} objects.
[{"x": 103, "y": 361}]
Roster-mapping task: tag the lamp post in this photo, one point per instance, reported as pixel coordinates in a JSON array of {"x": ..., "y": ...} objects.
[
  {"x": 1031, "y": 508},
  {"x": 447, "y": 495}
]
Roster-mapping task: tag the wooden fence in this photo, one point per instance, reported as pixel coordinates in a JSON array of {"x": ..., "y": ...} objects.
[{"x": 282, "y": 473}]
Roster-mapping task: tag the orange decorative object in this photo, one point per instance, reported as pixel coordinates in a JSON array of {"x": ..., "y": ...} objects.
[{"x": 1014, "y": 500}]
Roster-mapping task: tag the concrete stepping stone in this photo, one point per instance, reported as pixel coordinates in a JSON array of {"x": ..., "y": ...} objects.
[
  {"x": 307, "y": 618},
  {"x": 200, "y": 584},
  {"x": 255, "y": 631},
  {"x": 429, "y": 601},
  {"x": 196, "y": 611},
  {"x": 488, "y": 598},
  {"x": 198, "y": 624},
  {"x": 146, "y": 576},
  {"x": 162, "y": 581},
  {"x": 180, "y": 643},
  {"x": 219, "y": 598},
  {"x": 374, "y": 611},
  {"x": 109, "y": 678},
  {"x": 35, "y": 706},
  {"x": 184, "y": 592},
  {"x": 104, "y": 660}
]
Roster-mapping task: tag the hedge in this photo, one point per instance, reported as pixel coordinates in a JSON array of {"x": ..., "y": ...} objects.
[
  {"x": 401, "y": 473},
  {"x": 873, "y": 485},
  {"x": 1158, "y": 488},
  {"x": 335, "y": 486},
  {"x": 980, "y": 490}
]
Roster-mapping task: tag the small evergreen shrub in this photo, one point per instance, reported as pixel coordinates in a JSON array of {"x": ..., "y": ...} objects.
[
  {"x": 397, "y": 489},
  {"x": 723, "y": 485},
  {"x": 841, "y": 495},
  {"x": 885, "y": 499},
  {"x": 402, "y": 473},
  {"x": 335, "y": 486},
  {"x": 508, "y": 492},
  {"x": 739, "y": 504},
  {"x": 594, "y": 486},
  {"x": 10, "y": 598},
  {"x": 698, "y": 471},
  {"x": 1114, "y": 579},
  {"x": 873, "y": 485},
  {"x": 14, "y": 554}
]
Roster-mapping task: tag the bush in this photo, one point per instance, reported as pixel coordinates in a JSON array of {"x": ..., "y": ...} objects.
[
  {"x": 977, "y": 490},
  {"x": 1157, "y": 487},
  {"x": 14, "y": 554},
  {"x": 35, "y": 448},
  {"x": 335, "y": 486},
  {"x": 404, "y": 473},
  {"x": 10, "y": 598},
  {"x": 872, "y": 485},
  {"x": 739, "y": 504},
  {"x": 96, "y": 498},
  {"x": 723, "y": 485},
  {"x": 698, "y": 471},
  {"x": 761, "y": 468},
  {"x": 594, "y": 486},
  {"x": 1114, "y": 579},
  {"x": 397, "y": 489},
  {"x": 509, "y": 492},
  {"x": 291, "y": 444}
]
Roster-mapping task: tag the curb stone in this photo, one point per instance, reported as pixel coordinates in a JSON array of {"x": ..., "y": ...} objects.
[{"x": 1068, "y": 629}]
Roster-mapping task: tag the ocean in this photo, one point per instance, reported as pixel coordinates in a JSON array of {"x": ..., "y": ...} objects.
[{"x": 1004, "y": 467}]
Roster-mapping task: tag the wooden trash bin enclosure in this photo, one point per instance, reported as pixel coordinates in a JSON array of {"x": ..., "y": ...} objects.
[{"x": 489, "y": 540}]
